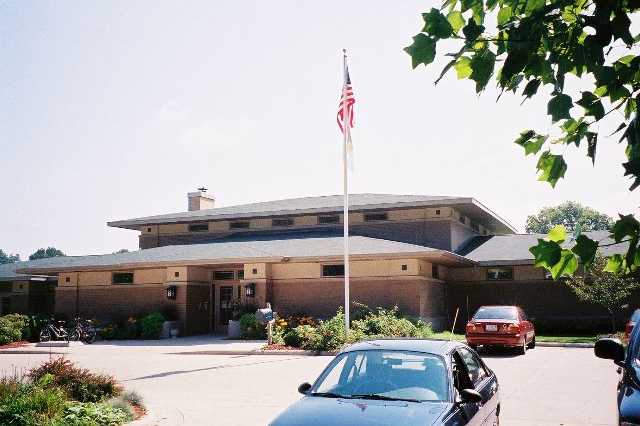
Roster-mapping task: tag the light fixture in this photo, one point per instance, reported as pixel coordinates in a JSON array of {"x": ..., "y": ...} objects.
[
  {"x": 250, "y": 290},
  {"x": 171, "y": 292}
]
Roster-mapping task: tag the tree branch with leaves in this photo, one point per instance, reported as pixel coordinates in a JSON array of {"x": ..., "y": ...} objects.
[{"x": 539, "y": 43}]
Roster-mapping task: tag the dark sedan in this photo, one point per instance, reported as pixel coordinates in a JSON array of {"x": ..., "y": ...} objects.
[
  {"x": 629, "y": 367},
  {"x": 399, "y": 382}
]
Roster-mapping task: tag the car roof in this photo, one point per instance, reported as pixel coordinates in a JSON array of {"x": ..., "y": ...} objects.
[{"x": 436, "y": 347}]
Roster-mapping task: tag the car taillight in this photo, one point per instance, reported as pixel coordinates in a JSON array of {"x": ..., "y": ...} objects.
[
  {"x": 513, "y": 328},
  {"x": 471, "y": 326}
]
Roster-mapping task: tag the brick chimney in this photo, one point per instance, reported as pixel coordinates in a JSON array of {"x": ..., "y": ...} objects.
[{"x": 200, "y": 200}]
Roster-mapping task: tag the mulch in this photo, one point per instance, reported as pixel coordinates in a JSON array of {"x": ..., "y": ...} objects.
[
  {"x": 279, "y": 347},
  {"x": 138, "y": 412},
  {"x": 14, "y": 345}
]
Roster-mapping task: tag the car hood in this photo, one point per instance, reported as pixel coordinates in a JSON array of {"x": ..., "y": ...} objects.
[{"x": 312, "y": 411}]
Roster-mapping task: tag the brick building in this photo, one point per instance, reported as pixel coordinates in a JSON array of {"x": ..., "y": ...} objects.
[{"x": 428, "y": 255}]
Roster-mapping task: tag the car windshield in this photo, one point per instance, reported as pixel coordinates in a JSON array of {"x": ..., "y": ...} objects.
[
  {"x": 385, "y": 374},
  {"x": 496, "y": 312}
]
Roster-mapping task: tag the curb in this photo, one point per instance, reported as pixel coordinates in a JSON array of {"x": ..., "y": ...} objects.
[
  {"x": 259, "y": 352},
  {"x": 564, "y": 345}
]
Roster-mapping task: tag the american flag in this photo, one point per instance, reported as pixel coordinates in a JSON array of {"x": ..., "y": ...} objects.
[{"x": 346, "y": 103}]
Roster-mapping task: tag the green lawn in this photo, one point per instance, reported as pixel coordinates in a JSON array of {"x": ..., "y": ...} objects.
[{"x": 446, "y": 335}]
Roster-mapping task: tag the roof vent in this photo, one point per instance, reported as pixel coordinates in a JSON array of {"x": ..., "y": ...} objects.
[{"x": 200, "y": 200}]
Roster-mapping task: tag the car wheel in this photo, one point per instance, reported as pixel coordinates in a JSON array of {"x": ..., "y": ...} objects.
[
  {"x": 45, "y": 335},
  {"x": 523, "y": 349},
  {"x": 532, "y": 343}
]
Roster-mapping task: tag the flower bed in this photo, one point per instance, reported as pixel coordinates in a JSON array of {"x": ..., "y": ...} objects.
[{"x": 58, "y": 393}]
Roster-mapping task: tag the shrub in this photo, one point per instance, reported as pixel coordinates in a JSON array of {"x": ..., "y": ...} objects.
[
  {"x": 133, "y": 398},
  {"x": 80, "y": 384},
  {"x": 28, "y": 404},
  {"x": 389, "y": 323},
  {"x": 11, "y": 327},
  {"x": 250, "y": 328},
  {"x": 308, "y": 338},
  {"x": 84, "y": 414},
  {"x": 151, "y": 325}
]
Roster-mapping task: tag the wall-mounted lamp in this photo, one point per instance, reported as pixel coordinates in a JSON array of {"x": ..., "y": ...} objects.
[
  {"x": 171, "y": 292},
  {"x": 250, "y": 290}
]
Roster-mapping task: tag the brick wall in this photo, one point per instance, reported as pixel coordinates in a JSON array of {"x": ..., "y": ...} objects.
[{"x": 321, "y": 298}]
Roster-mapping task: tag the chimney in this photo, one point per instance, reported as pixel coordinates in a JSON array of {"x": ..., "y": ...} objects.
[{"x": 199, "y": 200}]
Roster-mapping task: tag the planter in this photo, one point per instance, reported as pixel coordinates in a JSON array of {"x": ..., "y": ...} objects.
[
  {"x": 233, "y": 330},
  {"x": 174, "y": 333},
  {"x": 168, "y": 327}
]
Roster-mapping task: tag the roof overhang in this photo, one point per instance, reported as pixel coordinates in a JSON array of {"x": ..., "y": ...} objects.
[
  {"x": 469, "y": 206},
  {"x": 440, "y": 256}
]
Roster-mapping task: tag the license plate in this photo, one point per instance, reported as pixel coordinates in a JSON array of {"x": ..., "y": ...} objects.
[{"x": 491, "y": 327}]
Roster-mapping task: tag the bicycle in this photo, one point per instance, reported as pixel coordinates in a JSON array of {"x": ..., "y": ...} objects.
[
  {"x": 58, "y": 332},
  {"x": 82, "y": 331}
]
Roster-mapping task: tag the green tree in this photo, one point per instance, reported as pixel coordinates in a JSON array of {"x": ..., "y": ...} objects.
[
  {"x": 8, "y": 258},
  {"x": 573, "y": 216},
  {"x": 42, "y": 253},
  {"x": 536, "y": 44},
  {"x": 603, "y": 288}
]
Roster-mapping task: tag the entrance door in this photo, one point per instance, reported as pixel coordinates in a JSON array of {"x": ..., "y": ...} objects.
[{"x": 226, "y": 304}]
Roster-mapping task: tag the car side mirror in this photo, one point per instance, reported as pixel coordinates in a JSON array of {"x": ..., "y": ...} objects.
[
  {"x": 304, "y": 388},
  {"x": 609, "y": 348},
  {"x": 470, "y": 395}
]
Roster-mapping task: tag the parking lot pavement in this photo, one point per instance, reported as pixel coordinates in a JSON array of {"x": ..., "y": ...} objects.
[{"x": 547, "y": 386}]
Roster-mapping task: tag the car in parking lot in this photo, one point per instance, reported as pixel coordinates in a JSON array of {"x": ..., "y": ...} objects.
[
  {"x": 399, "y": 382},
  {"x": 506, "y": 326},
  {"x": 628, "y": 363},
  {"x": 628, "y": 328}
]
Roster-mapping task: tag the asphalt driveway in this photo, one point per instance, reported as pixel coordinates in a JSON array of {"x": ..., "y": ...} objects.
[{"x": 548, "y": 386}]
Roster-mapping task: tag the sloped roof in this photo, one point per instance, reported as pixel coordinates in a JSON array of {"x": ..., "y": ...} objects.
[
  {"x": 240, "y": 250},
  {"x": 8, "y": 272},
  {"x": 322, "y": 204},
  {"x": 513, "y": 249}
]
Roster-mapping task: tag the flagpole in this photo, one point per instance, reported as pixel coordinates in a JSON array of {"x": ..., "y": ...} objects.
[{"x": 345, "y": 221}]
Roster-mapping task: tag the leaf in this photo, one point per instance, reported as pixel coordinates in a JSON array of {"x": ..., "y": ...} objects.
[
  {"x": 436, "y": 24},
  {"x": 552, "y": 167},
  {"x": 456, "y": 20},
  {"x": 592, "y": 105},
  {"x": 531, "y": 88},
  {"x": 463, "y": 67},
  {"x": 632, "y": 168},
  {"x": 444, "y": 70},
  {"x": 592, "y": 142},
  {"x": 546, "y": 253},
  {"x": 620, "y": 26},
  {"x": 531, "y": 141},
  {"x": 620, "y": 127},
  {"x": 559, "y": 106},
  {"x": 533, "y": 5},
  {"x": 422, "y": 51},
  {"x": 615, "y": 264},
  {"x": 472, "y": 31},
  {"x": 566, "y": 266},
  {"x": 482, "y": 64},
  {"x": 557, "y": 234},
  {"x": 586, "y": 249},
  {"x": 514, "y": 63},
  {"x": 626, "y": 226},
  {"x": 504, "y": 15}
]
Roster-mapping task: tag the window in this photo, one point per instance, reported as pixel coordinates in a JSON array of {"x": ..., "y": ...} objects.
[
  {"x": 176, "y": 274},
  {"x": 372, "y": 217},
  {"x": 403, "y": 267},
  {"x": 435, "y": 272},
  {"x": 240, "y": 225},
  {"x": 148, "y": 229},
  {"x": 496, "y": 312},
  {"x": 333, "y": 270},
  {"x": 437, "y": 212},
  {"x": 223, "y": 275},
  {"x": 476, "y": 370},
  {"x": 499, "y": 274},
  {"x": 122, "y": 278},
  {"x": 67, "y": 279},
  {"x": 254, "y": 271},
  {"x": 240, "y": 274},
  {"x": 461, "y": 219},
  {"x": 199, "y": 227},
  {"x": 323, "y": 220},
  {"x": 287, "y": 221}
]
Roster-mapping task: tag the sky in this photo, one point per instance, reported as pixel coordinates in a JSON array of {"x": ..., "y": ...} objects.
[{"x": 114, "y": 110}]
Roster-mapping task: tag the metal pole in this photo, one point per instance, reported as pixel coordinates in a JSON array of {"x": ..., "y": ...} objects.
[{"x": 345, "y": 220}]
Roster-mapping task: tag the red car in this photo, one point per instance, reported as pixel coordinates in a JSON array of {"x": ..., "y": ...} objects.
[
  {"x": 505, "y": 326},
  {"x": 635, "y": 317}
]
